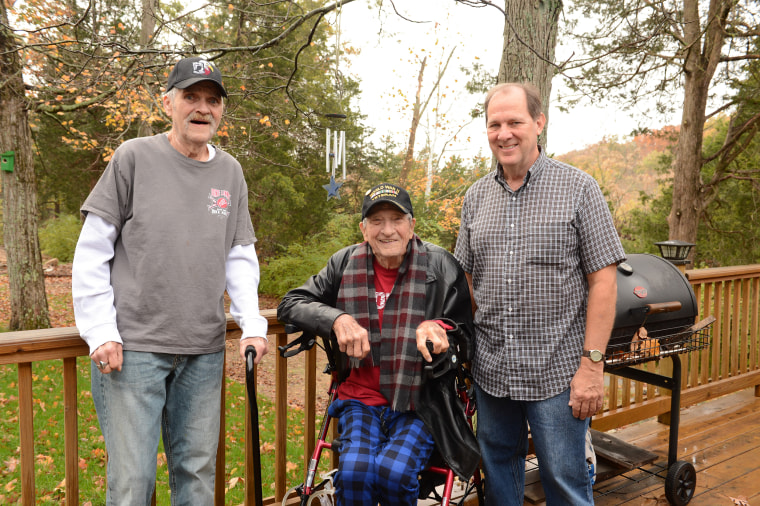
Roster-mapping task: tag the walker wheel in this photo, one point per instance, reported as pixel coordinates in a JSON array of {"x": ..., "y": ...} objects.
[{"x": 680, "y": 483}]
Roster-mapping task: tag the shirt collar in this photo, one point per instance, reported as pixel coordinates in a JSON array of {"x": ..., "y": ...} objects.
[{"x": 534, "y": 172}]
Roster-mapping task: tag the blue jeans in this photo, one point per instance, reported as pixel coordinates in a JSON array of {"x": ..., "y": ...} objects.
[
  {"x": 559, "y": 440},
  {"x": 178, "y": 395}
]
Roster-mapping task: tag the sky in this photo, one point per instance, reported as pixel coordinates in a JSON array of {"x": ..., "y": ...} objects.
[{"x": 387, "y": 63}]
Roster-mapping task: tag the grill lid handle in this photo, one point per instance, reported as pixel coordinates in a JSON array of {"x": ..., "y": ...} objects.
[{"x": 658, "y": 307}]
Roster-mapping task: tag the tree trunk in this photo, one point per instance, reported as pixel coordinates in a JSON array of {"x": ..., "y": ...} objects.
[
  {"x": 416, "y": 115},
  {"x": 701, "y": 61},
  {"x": 27, "y": 282},
  {"x": 530, "y": 37},
  {"x": 147, "y": 28},
  {"x": 687, "y": 165}
]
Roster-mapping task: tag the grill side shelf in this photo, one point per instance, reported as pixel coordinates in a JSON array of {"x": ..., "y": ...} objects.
[{"x": 677, "y": 340}]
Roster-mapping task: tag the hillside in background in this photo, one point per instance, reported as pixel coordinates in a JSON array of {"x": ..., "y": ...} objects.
[{"x": 626, "y": 169}]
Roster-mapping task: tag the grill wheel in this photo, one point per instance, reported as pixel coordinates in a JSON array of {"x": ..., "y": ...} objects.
[{"x": 680, "y": 483}]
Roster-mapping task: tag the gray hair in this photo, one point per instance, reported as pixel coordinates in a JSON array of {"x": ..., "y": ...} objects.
[{"x": 171, "y": 94}]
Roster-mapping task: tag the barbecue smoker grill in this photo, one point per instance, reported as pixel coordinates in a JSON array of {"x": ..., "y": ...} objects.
[{"x": 655, "y": 318}]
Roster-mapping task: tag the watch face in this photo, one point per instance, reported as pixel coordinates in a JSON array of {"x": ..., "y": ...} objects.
[{"x": 596, "y": 356}]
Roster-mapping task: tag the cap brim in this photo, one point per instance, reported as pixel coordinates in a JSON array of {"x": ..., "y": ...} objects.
[{"x": 189, "y": 82}]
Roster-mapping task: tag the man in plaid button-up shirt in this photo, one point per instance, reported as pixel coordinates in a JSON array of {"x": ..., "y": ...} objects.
[{"x": 539, "y": 248}]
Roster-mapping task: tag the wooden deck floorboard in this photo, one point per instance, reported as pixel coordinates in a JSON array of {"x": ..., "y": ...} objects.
[{"x": 720, "y": 438}]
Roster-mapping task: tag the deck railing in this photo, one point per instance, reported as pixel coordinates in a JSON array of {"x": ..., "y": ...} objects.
[{"x": 730, "y": 363}]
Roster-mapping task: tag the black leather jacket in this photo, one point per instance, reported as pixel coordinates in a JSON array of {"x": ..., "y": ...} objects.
[{"x": 312, "y": 307}]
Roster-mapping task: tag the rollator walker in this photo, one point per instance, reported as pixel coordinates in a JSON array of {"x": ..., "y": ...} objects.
[{"x": 437, "y": 480}]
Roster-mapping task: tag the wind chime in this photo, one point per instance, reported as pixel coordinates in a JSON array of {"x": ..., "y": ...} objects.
[
  {"x": 335, "y": 140},
  {"x": 335, "y": 159}
]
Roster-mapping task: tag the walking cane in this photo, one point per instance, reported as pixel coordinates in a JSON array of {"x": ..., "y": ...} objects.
[{"x": 250, "y": 382}]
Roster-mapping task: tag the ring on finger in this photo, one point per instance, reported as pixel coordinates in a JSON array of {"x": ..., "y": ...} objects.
[{"x": 102, "y": 365}]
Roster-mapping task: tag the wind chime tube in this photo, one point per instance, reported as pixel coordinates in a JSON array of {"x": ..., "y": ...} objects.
[
  {"x": 335, "y": 152},
  {"x": 343, "y": 151},
  {"x": 327, "y": 152},
  {"x": 339, "y": 150}
]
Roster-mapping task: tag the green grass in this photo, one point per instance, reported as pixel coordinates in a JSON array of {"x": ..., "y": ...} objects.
[{"x": 49, "y": 440}]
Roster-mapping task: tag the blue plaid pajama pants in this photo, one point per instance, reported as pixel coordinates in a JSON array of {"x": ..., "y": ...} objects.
[{"x": 381, "y": 454}]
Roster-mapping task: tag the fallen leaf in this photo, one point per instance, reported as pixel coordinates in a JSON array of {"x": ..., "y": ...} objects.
[
  {"x": 11, "y": 464},
  {"x": 45, "y": 460}
]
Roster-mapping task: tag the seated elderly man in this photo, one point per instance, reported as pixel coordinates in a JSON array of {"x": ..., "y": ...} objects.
[{"x": 380, "y": 300}]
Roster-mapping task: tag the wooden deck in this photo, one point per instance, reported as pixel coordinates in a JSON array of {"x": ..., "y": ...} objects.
[{"x": 720, "y": 438}]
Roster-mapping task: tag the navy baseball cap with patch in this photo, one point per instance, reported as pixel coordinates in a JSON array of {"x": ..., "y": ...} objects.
[
  {"x": 189, "y": 71},
  {"x": 386, "y": 192}
]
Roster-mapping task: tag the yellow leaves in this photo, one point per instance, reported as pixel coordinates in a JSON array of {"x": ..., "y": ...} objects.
[
  {"x": 287, "y": 122},
  {"x": 98, "y": 455},
  {"x": 275, "y": 134},
  {"x": 290, "y": 467},
  {"x": 10, "y": 485},
  {"x": 230, "y": 7}
]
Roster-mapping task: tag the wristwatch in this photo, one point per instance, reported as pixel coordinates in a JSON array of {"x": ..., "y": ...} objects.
[{"x": 596, "y": 356}]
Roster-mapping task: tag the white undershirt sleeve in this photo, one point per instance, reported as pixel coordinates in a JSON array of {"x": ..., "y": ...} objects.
[
  {"x": 91, "y": 288},
  {"x": 242, "y": 286}
]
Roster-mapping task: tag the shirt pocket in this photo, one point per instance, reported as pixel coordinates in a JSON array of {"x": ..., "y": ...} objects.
[{"x": 551, "y": 242}]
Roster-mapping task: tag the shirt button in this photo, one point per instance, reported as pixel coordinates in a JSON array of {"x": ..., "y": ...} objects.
[
  {"x": 509, "y": 309},
  {"x": 512, "y": 225},
  {"x": 510, "y": 336},
  {"x": 511, "y": 252},
  {"x": 509, "y": 281}
]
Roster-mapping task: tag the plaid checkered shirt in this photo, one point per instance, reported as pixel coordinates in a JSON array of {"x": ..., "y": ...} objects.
[{"x": 529, "y": 252}]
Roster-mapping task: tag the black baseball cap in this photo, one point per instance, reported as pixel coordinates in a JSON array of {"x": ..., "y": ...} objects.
[
  {"x": 189, "y": 71},
  {"x": 386, "y": 192}
]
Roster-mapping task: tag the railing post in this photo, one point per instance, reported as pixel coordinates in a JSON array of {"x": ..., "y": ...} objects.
[
  {"x": 26, "y": 433},
  {"x": 281, "y": 420},
  {"x": 71, "y": 430}
]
